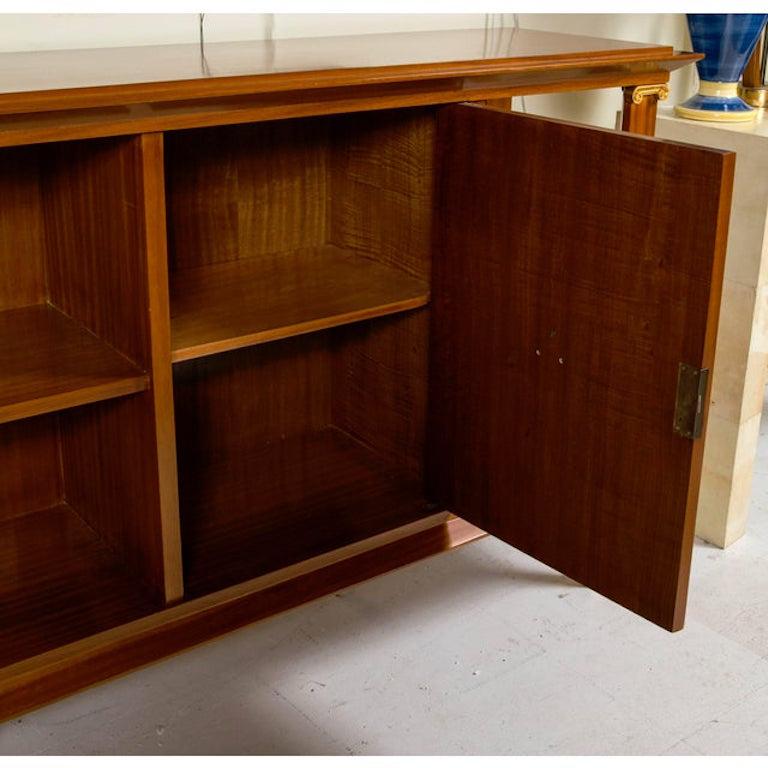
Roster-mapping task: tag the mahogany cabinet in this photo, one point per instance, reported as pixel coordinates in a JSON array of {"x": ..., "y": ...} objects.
[{"x": 278, "y": 326}]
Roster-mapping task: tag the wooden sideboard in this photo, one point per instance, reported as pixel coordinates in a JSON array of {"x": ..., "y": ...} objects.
[{"x": 279, "y": 317}]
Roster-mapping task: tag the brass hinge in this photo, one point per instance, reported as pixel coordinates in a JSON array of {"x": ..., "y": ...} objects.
[{"x": 689, "y": 403}]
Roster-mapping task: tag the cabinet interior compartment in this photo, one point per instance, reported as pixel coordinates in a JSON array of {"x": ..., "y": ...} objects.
[
  {"x": 281, "y": 228},
  {"x": 69, "y": 497},
  {"x": 70, "y": 281},
  {"x": 81, "y": 540},
  {"x": 291, "y": 449},
  {"x": 313, "y": 235}
]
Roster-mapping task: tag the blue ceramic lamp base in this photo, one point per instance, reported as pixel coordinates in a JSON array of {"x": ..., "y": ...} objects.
[
  {"x": 727, "y": 41},
  {"x": 718, "y": 102}
]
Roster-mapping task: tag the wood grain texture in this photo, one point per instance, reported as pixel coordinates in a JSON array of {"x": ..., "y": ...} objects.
[
  {"x": 267, "y": 478},
  {"x": 638, "y": 118},
  {"x": 382, "y": 178},
  {"x": 290, "y": 500},
  {"x": 29, "y": 470},
  {"x": 162, "y": 445},
  {"x": 570, "y": 283},
  {"x": 254, "y": 213},
  {"x": 503, "y": 105},
  {"x": 117, "y": 76},
  {"x": 380, "y": 368},
  {"x": 105, "y": 259},
  {"x": 30, "y": 683},
  {"x": 240, "y": 191},
  {"x": 59, "y": 580},
  {"x": 251, "y": 301},
  {"x": 22, "y": 269},
  {"x": 58, "y": 583},
  {"x": 720, "y": 224},
  {"x": 290, "y": 450},
  {"x": 50, "y": 362},
  {"x": 69, "y": 124},
  {"x": 110, "y": 479},
  {"x": 96, "y": 267},
  {"x": 235, "y": 402},
  {"x": 119, "y": 462}
]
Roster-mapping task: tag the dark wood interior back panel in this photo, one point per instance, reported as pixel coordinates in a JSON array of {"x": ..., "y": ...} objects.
[
  {"x": 368, "y": 379},
  {"x": 362, "y": 182},
  {"x": 59, "y": 583},
  {"x": 234, "y": 413},
  {"x": 381, "y": 187},
  {"x": 236, "y": 401},
  {"x": 29, "y": 466},
  {"x": 238, "y": 192},
  {"x": 286, "y": 450},
  {"x": 110, "y": 480},
  {"x": 287, "y": 501},
  {"x": 95, "y": 256},
  {"x": 574, "y": 269},
  {"x": 380, "y": 386},
  {"x": 22, "y": 245}
]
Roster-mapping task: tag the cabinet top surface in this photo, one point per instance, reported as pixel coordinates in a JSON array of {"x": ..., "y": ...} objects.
[{"x": 30, "y": 81}]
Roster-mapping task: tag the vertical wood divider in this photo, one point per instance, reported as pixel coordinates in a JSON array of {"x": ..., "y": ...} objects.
[
  {"x": 106, "y": 268},
  {"x": 154, "y": 223}
]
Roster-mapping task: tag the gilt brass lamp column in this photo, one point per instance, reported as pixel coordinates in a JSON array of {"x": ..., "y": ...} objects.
[{"x": 753, "y": 88}]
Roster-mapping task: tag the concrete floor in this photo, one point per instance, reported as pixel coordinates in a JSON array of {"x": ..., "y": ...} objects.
[{"x": 479, "y": 651}]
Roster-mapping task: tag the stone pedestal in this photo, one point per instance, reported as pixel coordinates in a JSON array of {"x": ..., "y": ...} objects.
[{"x": 741, "y": 359}]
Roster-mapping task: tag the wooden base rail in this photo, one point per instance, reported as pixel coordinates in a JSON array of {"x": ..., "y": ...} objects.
[{"x": 36, "y": 681}]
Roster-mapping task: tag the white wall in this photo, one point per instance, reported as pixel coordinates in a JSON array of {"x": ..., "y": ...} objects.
[
  {"x": 20, "y": 32},
  {"x": 28, "y": 32}
]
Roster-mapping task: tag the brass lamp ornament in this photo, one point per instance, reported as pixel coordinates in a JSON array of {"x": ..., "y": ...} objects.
[{"x": 753, "y": 88}]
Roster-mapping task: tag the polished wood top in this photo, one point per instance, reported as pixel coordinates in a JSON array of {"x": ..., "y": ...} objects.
[{"x": 45, "y": 80}]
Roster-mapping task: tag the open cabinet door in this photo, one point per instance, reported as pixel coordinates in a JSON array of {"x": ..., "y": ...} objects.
[{"x": 575, "y": 270}]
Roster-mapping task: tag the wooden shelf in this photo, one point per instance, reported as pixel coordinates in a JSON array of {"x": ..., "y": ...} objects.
[
  {"x": 226, "y": 306},
  {"x": 243, "y": 516},
  {"x": 58, "y": 583},
  {"x": 50, "y": 362}
]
